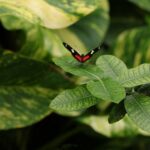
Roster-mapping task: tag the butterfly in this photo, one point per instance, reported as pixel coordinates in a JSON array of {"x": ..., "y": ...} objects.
[{"x": 81, "y": 58}]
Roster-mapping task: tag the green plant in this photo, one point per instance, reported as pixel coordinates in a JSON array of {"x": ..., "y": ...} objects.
[
  {"x": 108, "y": 80},
  {"x": 109, "y": 93},
  {"x": 28, "y": 75}
]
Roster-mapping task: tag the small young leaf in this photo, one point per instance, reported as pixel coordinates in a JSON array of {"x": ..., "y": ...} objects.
[
  {"x": 111, "y": 65},
  {"x": 73, "y": 99},
  {"x": 138, "y": 109},
  {"x": 136, "y": 76},
  {"x": 79, "y": 69},
  {"x": 107, "y": 89},
  {"x": 117, "y": 112}
]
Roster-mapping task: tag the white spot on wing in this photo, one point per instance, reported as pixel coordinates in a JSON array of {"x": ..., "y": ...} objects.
[
  {"x": 92, "y": 51},
  {"x": 72, "y": 50}
]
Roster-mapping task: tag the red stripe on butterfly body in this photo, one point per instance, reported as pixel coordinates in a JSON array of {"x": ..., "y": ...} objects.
[
  {"x": 85, "y": 58},
  {"x": 78, "y": 57}
]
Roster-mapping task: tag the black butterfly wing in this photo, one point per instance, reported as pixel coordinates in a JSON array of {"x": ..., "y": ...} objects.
[
  {"x": 90, "y": 54},
  {"x": 74, "y": 53}
]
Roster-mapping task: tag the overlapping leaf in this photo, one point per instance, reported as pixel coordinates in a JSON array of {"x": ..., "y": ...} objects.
[
  {"x": 107, "y": 89},
  {"x": 111, "y": 65},
  {"x": 117, "y": 112},
  {"x": 73, "y": 99},
  {"x": 138, "y": 109},
  {"x": 136, "y": 76},
  {"x": 72, "y": 66}
]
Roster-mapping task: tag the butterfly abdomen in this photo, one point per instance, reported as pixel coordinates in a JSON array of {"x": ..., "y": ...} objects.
[{"x": 78, "y": 57}]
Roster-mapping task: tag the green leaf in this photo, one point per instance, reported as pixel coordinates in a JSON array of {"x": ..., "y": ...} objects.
[
  {"x": 145, "y": 4},
  {"x": 19, "y": 70},
  {"x": 132, "y": 46},
  {"x": 80, "y": 8},
  {"x": 34, "y": 43},
  {"x": 19, "y": 10},
  {"x": 117, "y": 112},
  {"x": 17, "y": 23},
  {"x": 72, "y": 66},
  {"x": 22, "y": 106},
  {"x": 136, "y": 76},
  {"x": 41, "y": 44},
  {"x": 25, "y": 90},
  {"x": 37, "y": 42},
  {"x": 138, "y": 109},
  {"x": 111, "y": 65},
  {"x": 73, "y": 99},
  {"x": 44, "y": 13},
  {"x": 107, "y": 89},
  {"x": 90, "y": 31}
]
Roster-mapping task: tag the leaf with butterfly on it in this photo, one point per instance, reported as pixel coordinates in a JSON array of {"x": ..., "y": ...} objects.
[{"x": 68, "y": 64}]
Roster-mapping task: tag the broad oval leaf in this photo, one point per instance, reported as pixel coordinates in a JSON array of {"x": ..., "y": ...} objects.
[
  {"x": 25, "y": 90},
  {"x": 138, "y": 109},
  {"x": 111, "y": 65},
  {"x": 73, "y": 99},
  {"x": 80, "y": 69},
  {"x": 45, "y": 12},
  {"x": 107, "y": 89},
  {"x": 136, "y": 76}
]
